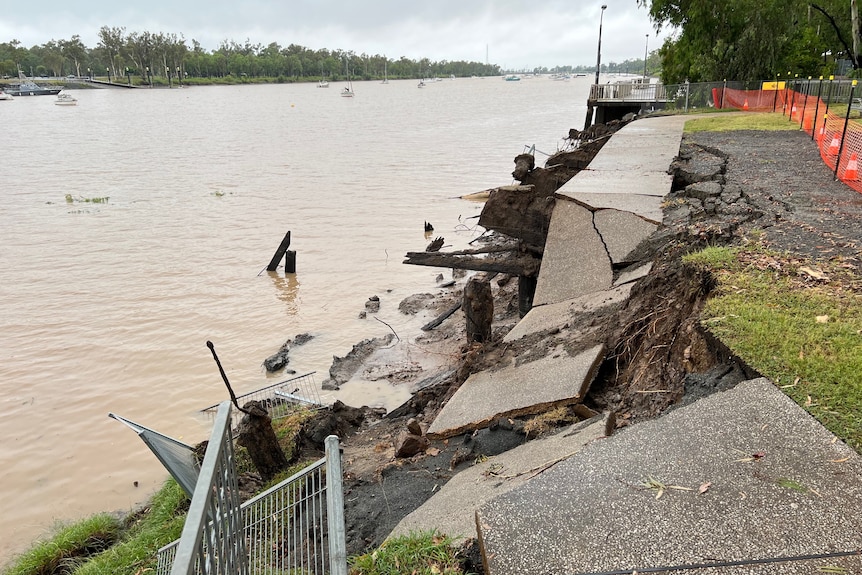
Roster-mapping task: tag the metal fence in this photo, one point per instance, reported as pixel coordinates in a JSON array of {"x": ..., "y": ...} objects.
[
  {"x": 282, "y": 398},
  {"x": 296, "y": 526},
  {"x": 213, "y": 540}
]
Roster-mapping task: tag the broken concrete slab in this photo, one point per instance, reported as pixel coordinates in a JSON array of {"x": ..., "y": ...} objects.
[
  {"x": 515, "y": 391},
  {"x": 647, "y": 207},
  {"x": 633, "y": 275},
  {"x": 558, "y": 315},
  {"x": 622, "y": 232},
  {"x": 452, "y": 510},
  {"x": 576, "y": 261},
  {"x": 763, "y": 480},
  {"x": 632, "y": 181}
]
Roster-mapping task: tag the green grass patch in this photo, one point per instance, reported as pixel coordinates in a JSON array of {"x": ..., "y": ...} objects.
[
  {"x": 765, "y": 121},
  {"x": 797, "y": 323},
  {"x": 68, "y": 547},
  {"x": 420, "y": 553}
]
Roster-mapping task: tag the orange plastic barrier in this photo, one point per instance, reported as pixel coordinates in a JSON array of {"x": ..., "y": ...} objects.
[{"x": 838, "y": 144}]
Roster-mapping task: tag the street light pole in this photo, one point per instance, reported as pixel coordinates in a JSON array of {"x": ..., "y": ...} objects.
[
  {"x": 599, "y": 51},
  {"x": 645, "y": 54}
]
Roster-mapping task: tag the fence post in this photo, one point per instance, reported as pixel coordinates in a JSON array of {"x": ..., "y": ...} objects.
[
  {"x": 723, "y": 88},
  {"x": 817, "y": 107},
  {"x": 775, "y": 95},
  {"x": 844, "y": 131},
  {"x": 335, "y": 508},
  {"x": 829, "y": 94},
  {"x": 805, "y": 104},
  {"x": 686, "y": 95}
]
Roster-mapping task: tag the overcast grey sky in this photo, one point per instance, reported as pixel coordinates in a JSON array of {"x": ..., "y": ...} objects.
[{"x": 518, "y": 34}]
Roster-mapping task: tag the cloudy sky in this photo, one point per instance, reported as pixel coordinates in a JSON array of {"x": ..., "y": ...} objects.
[{"x": 518, "y": 34}]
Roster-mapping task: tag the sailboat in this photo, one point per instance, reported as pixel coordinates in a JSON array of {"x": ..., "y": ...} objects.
[
  {"x": 385, "y": 78},
  {"x": 347, "y": 91}
]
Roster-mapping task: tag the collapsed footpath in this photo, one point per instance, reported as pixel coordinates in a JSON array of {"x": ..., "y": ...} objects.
[{"x": 570, "y": 504}]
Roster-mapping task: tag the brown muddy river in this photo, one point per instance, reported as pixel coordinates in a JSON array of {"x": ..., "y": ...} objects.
[{"x": 177, "y": 199}]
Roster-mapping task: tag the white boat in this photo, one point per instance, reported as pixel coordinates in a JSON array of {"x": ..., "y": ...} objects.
[
  {"x": 323, "y": 84},
  {"x": 347, "y": 91},
  {"x": 5, "y": 96},
  {"x": 512, "y": 78},
  {"x": 66, "y": 100},
  {"x": 421, "y": 84}
]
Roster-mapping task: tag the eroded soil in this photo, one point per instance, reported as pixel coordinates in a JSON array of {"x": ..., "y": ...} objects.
[{"x": 659, "y": 357}]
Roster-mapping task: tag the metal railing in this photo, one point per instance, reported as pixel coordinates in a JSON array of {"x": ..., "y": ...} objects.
[
  {"x": 683, "y": 96},
  {"x": 296, "y": 526},
  {"x": 213, "y": 540},
  {"x": 282, "y": 398}
]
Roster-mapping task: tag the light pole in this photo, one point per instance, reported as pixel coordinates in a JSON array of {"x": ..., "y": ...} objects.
[
  {"x": 599, "y": 51},
  {"x": 645, "y": 55}
]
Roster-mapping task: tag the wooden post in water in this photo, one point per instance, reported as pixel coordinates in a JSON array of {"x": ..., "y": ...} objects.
[
  {"x": 479, "y": 310},
  {"x": 290, "y": 262},
  {"x": 279, "y": 253}
]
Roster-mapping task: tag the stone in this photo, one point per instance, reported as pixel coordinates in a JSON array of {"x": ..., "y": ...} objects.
[
  {"x": 408, "y": 444},
  {"x": 703, "y": 190}
]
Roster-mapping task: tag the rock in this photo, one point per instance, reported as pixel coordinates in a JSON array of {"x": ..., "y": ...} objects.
[
  {"x": 415, "y": 303},
  {"x": 342, "y": 369},
  {"x": 439, "y": 278},
  {"x": 408, "y": 445},
  {"x": 414, "y": 427},
  {"x": 278, "y": 360},
  {"x": 703, "y": 190},
  {"x": 373, "y": 304}
]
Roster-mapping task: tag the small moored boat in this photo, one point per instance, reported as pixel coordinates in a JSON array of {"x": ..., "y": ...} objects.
[
  {"x": 5, "y": 96},
  {"x": 66, "y": 100}
]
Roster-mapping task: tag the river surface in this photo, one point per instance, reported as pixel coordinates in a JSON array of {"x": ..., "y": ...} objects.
[{"x": 135, "y": 227}]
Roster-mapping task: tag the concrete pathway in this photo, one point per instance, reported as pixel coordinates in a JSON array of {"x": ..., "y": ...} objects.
[{"x": 738, "y": 476}]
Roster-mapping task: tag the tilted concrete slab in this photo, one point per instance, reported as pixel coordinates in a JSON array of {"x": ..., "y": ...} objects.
[
  {"x": 645, "y": 206},
  {"x": 558, "y": 315},
  {"x": 575, "y": 261},
  {"x": 452, "y": 510},
  {"x": 517, "y": 390},
  {"x": 622, "y": 232},
  {"x": 762, "y": 479},
  {"x": 643, "y": 181},
  {"x": 633, "y": 275}
]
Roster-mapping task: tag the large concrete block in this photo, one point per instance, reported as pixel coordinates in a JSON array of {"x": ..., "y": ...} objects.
[
  {"x": 622, "y": 232},
  {"x": 575, "y": 262}
]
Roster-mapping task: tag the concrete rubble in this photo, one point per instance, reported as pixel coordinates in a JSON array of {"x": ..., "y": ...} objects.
[{"x": 739, "y": 475}]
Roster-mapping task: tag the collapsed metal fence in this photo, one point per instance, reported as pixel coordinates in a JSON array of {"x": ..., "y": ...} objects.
[
  {"x": 282, "y": 398},
  {"x": 296, "y": 526}
]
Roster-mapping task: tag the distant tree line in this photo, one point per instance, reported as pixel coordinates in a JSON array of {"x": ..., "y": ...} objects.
[{"x": 147, "y": 55}]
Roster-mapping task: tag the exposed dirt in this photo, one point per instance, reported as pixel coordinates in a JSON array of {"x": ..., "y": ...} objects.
[{"x": 726, "y": 185}]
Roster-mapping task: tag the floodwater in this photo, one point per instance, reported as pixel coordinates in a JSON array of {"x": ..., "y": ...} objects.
[{"x": 135, "y": 226}]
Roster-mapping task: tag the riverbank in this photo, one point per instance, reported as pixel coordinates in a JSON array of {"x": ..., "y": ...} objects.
[{"x": 777, "y": 212}]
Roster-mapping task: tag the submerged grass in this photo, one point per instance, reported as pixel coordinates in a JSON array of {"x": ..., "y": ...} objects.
[{"x": 795, "y": 322}]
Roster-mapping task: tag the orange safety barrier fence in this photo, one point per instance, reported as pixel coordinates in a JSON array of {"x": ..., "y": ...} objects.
[{"x": 838, "y": 138}]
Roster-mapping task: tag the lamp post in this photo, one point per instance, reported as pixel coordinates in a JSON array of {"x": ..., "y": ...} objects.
[
  {"x": 179, "y": 77},
  {"x": 108, "y": 70},
  {"x": 645, "y": 55},
  {"x": 128, "y": 76},
  {"x": 599, "y": 51}
]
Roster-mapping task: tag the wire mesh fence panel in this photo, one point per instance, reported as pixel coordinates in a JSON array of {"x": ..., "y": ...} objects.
[{"x": 280, "y": 399}]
